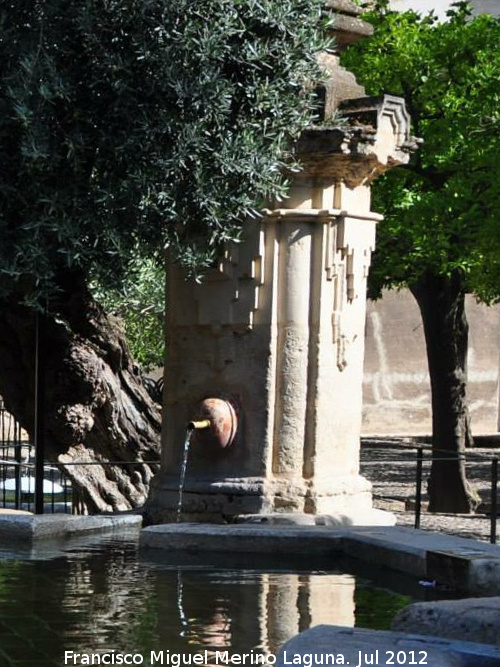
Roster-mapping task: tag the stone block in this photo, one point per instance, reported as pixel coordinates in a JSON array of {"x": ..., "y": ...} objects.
[
  {"x": 360, "y": 647},
  {"x": 465, "y": 570},
  {"x": 241, "y": 538},
  {"x": 27, "y": 529},
  {"x": 470, "y": 619}
]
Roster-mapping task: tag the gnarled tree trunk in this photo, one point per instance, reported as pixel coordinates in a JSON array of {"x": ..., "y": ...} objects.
[
  {"x": 96, "y": 410},
  {"x": 441, "y": 300}
]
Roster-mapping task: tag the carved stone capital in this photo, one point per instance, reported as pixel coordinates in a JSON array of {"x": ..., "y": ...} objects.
[{"x": 375, "y": 137}]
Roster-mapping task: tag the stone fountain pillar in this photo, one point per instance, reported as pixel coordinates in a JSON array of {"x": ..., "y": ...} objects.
[{"x": 277, "y": 329}]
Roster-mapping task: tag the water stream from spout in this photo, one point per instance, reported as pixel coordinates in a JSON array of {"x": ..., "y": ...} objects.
[{"x": 182, "y": 477}]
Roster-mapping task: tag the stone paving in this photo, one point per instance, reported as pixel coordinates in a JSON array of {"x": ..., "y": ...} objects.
[{"x": 390, "y": 464}]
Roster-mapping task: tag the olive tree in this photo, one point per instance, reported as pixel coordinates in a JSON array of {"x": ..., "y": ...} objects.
[{"x": 129, "y": 126}]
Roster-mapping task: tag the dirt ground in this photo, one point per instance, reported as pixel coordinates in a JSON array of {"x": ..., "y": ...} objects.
[{"x": 390, "y": 464}]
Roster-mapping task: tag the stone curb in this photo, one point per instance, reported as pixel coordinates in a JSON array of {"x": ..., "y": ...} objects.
[
  {"x": 359, "y": 647},
  {"x": 241, "y": 538},
  {"x": 475, "y": 567},
  {"x": 27, "y": 529}
]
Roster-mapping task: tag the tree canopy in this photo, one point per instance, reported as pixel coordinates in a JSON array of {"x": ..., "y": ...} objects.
[
  {"x": 441, "y": 211},
  {"x": 139, "y": 124}
]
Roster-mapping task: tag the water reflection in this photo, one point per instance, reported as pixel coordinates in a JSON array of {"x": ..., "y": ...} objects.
[
  {"x": 250, "y": 610},
  {"x": 104, "y": 599}
]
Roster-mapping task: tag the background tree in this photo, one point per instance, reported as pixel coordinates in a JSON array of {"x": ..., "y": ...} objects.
[
  {"x": 127, "y": 126},
  {"x": 439, "y": 237},
  {"x": 139, "y": 301}
]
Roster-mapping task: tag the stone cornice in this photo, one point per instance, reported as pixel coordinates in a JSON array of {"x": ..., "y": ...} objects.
[
  {"x": 375, "y": 137},
  {"x": 321, "y": 215}
]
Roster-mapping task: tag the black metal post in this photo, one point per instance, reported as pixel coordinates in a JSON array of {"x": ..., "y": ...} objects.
[
  {"x": 39, "y": 435},
  {"x": 494, "y": 501},
  {"x": 65, "y": 494},
  {"x": 418, "y": 492},
  {"x": 52, "y": 502},
  {"x": 18, "y": 473}
]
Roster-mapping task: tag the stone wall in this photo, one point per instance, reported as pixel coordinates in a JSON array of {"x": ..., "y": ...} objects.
[{"x": 396, "y": 389}]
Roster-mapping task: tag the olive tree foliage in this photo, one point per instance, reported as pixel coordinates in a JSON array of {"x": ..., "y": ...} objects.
[
  {"x": 440, "y": 235},
  {"x": 126, "y": 127},
  {"x": 150, "y": 123}
]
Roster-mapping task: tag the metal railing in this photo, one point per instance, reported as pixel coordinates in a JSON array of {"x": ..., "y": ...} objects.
[
  {"x": 17, "y": 487},
  {"x": 20, "y": 477},
  {"x": 398, "y": 469},
  {"x": 493, "y": 493},
  {"x": 17, "y": 478}
]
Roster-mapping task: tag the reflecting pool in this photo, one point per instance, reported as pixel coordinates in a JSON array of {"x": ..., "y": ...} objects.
[{"x": 105, "y": 597}]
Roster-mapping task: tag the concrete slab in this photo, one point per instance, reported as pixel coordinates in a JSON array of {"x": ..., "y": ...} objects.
[
  {"x": 413, "y": 552},
  {"x": 29, "y": 528},
  {"x": 359, "y": 647},
  {"x": 470, "y": 619}
]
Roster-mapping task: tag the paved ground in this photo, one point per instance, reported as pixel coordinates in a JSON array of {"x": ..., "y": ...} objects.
[{"x": 390, "y": 465}]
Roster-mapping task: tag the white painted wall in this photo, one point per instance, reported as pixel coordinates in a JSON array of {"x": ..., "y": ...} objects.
[{"x": 441, "y": 6}]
